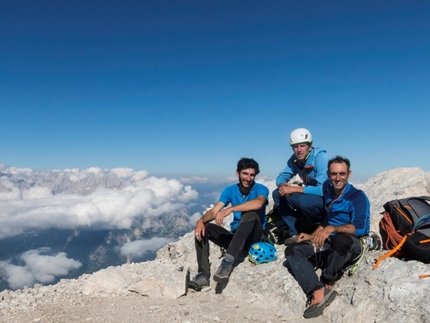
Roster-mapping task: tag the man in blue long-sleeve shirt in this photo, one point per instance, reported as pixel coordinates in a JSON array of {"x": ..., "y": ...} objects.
[
  {"x": 335, "y": 242},
  {"x": 301, "y": 207}
]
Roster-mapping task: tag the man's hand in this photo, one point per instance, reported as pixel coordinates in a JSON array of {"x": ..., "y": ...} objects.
[
  {"x": 199, "y": 230},
  {"x": 304, "y": 237},
  {"x": 208, "y": 216},
  {"x": 286, "y": 189},
  {"x": 320, "y": 236},
  {"x": 219, "y": 218}
]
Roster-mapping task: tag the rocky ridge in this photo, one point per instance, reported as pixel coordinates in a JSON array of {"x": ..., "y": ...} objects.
[{"x": 155, "y": 291}]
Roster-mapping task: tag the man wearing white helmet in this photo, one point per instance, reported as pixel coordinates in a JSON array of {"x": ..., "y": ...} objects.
[{"x": 302, "y": 207}]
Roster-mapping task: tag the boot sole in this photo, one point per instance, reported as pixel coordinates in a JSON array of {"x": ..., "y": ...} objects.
[
  {"x": 195, "y": 286},
  {"x": 220, "y": 279},
  {"x": 317, "y": 310}
]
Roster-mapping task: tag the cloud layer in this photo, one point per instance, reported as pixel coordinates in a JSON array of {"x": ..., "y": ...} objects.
[
  {"x": 91, "y": 198},
  {"x": 138, "y": 248},
  {"x": 40, "y": 266}
]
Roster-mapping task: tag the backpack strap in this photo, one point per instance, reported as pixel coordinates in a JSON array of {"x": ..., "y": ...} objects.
[{"x": 391, "y": 252}]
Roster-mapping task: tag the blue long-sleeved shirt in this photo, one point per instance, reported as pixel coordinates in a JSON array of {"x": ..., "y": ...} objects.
[
  {"x": 352, "y": 207},
  {"x": 313, "y": 172}
]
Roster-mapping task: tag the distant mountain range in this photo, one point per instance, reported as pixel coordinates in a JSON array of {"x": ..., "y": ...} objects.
[
  {"x": 93, "y": 249},
  {"x": 152, "y": 207}
]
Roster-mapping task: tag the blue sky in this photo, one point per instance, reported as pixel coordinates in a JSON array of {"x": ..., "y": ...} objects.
[{"x": 186, "y": 88}]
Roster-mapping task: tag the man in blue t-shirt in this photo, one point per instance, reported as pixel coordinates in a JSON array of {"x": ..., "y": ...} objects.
[
  {"x": 334, "y": 243},
  {"x": 247, "y": 201},
  {"x": 301, "y": 206}
]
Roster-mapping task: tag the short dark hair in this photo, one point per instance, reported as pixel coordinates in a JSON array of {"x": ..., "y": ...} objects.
[
  {"x": 245, "y": 163},
  {"x": 339, "y": 160}
]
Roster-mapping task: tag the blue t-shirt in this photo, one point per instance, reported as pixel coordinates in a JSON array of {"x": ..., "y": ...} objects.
[
  {"x": 233, "y": 195},
  {"x": 352, "y": 207}
]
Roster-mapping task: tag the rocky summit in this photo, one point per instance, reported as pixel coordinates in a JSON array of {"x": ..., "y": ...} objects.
[{"x": 155, "y": 291}]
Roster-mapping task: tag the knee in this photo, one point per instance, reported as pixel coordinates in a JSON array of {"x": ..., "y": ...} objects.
[
  {"x": 275, "y": 196},
  {"x": 341, "y": 243},
  {"x": 249, "y": 216},
  {"x": 310, "y": 202},
  {"x": 295, "y": 249},
  {"x": 287, "y": 265},
  {"x": 209, "y": 226},
  {"x": 289, "y": 250}
]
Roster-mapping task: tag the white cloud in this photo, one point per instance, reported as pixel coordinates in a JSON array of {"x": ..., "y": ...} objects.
[
  {"x": 92, "y": 198},
  {"x": 16, "y": 170},
  {"x": 94, "y": 170},
  {"x": 39, "y": 267},
  {"x": 37, "y": 192},
  {"x": 232, "y": 179},
  {"x": 138, "y": 248},
  {"x": 129, "y": 173},
  {"x": 8, "y": 191},
  {"x": 194, "y": 179}
]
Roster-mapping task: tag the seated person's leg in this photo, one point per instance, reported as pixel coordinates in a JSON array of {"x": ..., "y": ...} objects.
[
  {"x": 313, "y": 211},
  {"x": 248, "y": 232},
  {"x": 344, "y": 248},
  {"x": 299, "y": 265},
  {"x": 218, "y": 235},
  {"x": 249, "y": 228},
  {"x": 221, "y": 237},
  {"x": 276, "y": 197},
  {"x": 290, "y": 212}
]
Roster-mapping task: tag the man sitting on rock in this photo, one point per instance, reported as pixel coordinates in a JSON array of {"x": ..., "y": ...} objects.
[
  {"x": 301, "y": 207},
  {"x": 334, "y": 243},
  {"x": 248, "y": 201}
]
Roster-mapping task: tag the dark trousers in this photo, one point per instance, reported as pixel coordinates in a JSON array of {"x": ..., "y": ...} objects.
[
  {"x": 337, "y": 251},
  {"x": 248, "y": 232},
  {"x": 301, "y": 212}
]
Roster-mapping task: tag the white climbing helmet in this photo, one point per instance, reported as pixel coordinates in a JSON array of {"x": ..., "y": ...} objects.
[{"x": 300, "y": 135}]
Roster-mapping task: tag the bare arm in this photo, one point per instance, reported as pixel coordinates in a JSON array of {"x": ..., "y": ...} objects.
[
  {"x": 308, "y": 237},
  {"x": 251, "y": 205},
  {"x": 323, "y": 232},
  {"x": 219, "y": 214},
  {"x": 285, "y": 189},
  {"x": 207, "y": 217}
]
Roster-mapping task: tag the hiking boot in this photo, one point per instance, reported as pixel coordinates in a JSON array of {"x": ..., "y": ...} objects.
[
  {"x": 291, "y": 240},
  {"x": 224, "y": 270},
  {"x": 377, "y": 242},
  {"x": 316, "y": 309},
  {"x": 199, "y": 281},
  {"x": 371, "y": 242}
]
